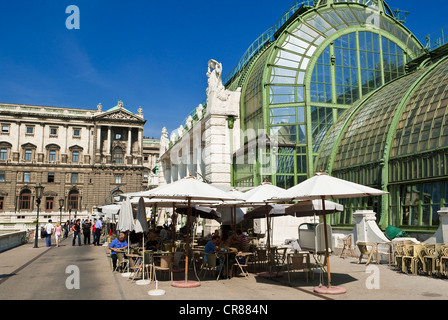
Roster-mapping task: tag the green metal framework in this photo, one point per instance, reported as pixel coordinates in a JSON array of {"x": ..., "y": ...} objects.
[
  {"x": 397, "y": 139},
  {"x": 296, "y": 87}
]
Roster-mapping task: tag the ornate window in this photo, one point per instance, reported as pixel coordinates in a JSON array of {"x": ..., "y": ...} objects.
[
  {"x": 76, "y": 154},
  {"x": 117, "y": 155},
  {"x": 28, "y": 151},
  {"x": 25, "y": 200},
  {"x": 73, "y": 200},
  {"x": 52, "y": 152}
]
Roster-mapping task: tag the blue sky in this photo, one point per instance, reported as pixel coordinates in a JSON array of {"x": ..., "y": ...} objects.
[{"x": 146, "y": 53}]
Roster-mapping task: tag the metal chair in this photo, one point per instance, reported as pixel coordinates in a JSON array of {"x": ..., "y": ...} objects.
[
  {"x": 210, "y": 263},
  {"x": 261, "y": 258},
  {"x": 296, "y": 262},
  {"x": 122, "y": 262}
]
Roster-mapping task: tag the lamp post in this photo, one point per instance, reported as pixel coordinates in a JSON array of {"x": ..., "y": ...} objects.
[
  {"x": 69, "y": 210},
  {"x": 39, "y": 192},
  {"x": 61, "y": 204}
]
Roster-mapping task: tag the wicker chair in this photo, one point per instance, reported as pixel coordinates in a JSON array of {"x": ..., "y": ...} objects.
[
  {"x": 418, "y": 262},
  {"x": 166, "y": 264},
  {"x": 444, "y": 260},
  {"x": 398, "y": 256},
  {"x": 348, "y": 249},
  {"x": 369, "y": 249},
  {"x": 432, "y": 258},
  {"x": 408, "y": 258}
]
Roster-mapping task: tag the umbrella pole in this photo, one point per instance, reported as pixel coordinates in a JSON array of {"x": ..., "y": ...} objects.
[
  {"x": 187, "y": 242},
  {"x": 327, "y": 255},
  {"x": 173, "y": 228},
  {"x": 268, "y": 227}
]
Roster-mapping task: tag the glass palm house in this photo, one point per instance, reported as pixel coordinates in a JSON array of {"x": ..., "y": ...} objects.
[{"x": 346, "y": 88}]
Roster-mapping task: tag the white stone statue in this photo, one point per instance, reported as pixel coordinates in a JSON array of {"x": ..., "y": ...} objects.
[
  {"x": 189, "y": 122},
  {"x": 164, "y": 141},
  {"x": 180, "y": 131},
  {"x": 214, "y": 77},
  {"x": 199, "y": 111},
  {"x": 220, "y": 100},
  {"x": 99, "y": 107},
  {"x": 173, "y": 137}
]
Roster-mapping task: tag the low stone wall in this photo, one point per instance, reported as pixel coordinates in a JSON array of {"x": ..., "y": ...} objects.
[{"x": 11, "y": 240}]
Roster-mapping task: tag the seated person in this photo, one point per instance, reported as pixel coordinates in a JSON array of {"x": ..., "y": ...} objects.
[
  {"x": 152, "y": 243},
  {"x": 118, "y": 243},
  {"x": 229, "y": 242},
  {"x": 244, "y": 241},
  {"x": 212, "y": 246}
]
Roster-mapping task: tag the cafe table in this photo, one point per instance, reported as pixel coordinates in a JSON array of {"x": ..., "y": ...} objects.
[{"x": 226, "y": 255}]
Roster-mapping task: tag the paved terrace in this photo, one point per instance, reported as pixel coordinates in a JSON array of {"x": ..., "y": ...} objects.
[{"x": 25, "y": 270}]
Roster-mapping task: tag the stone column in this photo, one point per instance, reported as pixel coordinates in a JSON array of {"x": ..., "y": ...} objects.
[
  {"x": 441, "y": 235},
  {"x": 217, "y": 153},
  {"x": 109, "y": 140},
  {"x": 129, "y": 147},
  {"x": 98, "y": 150},
  {"x": 443, "y": 214}
]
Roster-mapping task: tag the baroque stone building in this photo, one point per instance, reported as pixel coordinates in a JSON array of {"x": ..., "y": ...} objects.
[{"x": 82, "y": 156}]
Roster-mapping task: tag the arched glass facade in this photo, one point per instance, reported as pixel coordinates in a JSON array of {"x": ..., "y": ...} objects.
[
  {"x": 396, "y": 139},
  {"x": 324, "y": 60}
]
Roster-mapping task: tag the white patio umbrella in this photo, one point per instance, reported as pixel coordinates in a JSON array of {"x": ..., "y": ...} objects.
[
  {"x": 126, "y": 217},
  {"x": 259, "y": 196},
  {"x": 193, "y": 191},
  {"x": 110, "y": 209},
  {"x": 323, "y": 186},
  {"x": 231, "y": 215},
  {"x": 126, "y": 223},
  {"x": 301, "y": 209},
  {"x": 141, "y": 227}
]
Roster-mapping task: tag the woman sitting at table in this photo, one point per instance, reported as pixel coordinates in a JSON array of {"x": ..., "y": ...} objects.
[{"x": 119, "y": 243}]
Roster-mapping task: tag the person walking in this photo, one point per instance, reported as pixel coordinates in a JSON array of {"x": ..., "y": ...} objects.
[
  {"x": 76, "y": 232},
  {"x": 98, "y": 229},
  {"x": 66, "y": 229},
  {"x": 58, "y": 233},
  {"x": 93, "y": 231},
  {"x": 86, "y": 228},
  {"x": 49, "y": 227}
]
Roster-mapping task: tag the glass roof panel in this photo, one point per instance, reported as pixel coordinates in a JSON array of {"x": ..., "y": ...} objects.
[
  {"x": 373, "y": 120},
  {"x": 423, "y": 116}
]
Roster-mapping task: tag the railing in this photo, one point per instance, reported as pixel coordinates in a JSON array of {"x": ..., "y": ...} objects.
[
  {"x": 437, "y": 39},
  {"x": 259, "y": 43},
  {"x": 265, "y": 37}
]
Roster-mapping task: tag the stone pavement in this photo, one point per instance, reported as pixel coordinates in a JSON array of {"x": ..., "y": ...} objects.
[{"x": 22, "y": 268}]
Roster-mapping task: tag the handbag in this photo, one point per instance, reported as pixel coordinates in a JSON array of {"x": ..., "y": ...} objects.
[{"x": 43, "y": 233}]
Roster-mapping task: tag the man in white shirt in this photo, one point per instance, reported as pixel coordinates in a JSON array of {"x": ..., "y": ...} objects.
[
  {"x": 49, "y": 228},
  {"x": 98, "y": 229}
]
